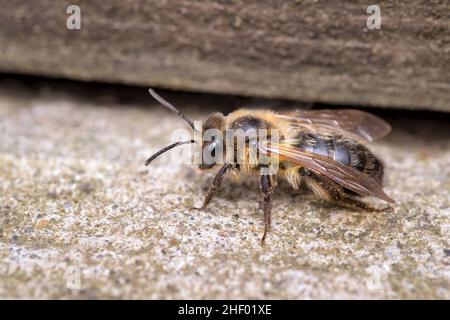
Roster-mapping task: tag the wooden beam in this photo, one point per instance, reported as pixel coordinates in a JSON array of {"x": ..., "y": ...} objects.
[{"x": 305, "y": 50}]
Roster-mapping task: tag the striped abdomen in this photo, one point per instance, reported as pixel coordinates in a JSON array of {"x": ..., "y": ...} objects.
[{"x": 343, "y": 150}]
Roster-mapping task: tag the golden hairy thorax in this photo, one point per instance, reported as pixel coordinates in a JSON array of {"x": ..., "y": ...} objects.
[
  {"x": 268, "y": 116},
  {"x": 256, "y": 119}
]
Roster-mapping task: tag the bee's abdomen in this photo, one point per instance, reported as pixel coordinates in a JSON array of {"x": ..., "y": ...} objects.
[{"x": 345, "y": 151}]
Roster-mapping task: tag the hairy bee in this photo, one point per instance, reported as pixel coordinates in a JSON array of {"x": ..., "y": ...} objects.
[{"x": 321, "y": 149}]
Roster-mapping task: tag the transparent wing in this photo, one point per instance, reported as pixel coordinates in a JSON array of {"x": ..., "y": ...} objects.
[
  {"x": 346, "y": 176},
  {"x": 357, "y": 123}
]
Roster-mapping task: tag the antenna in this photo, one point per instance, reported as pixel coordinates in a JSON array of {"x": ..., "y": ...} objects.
[
  {"x": 160, "y": 152},
  {"x": 169, "y": 106}
]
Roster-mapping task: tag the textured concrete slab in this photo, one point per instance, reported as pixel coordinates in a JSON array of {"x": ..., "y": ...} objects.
[{"x": 82, "y": 217}]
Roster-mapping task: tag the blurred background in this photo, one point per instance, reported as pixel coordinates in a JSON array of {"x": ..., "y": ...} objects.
[
  {"x": 391, "y": 55},
  {"x": 82, "y": 217}
]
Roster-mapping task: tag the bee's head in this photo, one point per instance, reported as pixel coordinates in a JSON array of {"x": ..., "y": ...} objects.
[
  {"x": 212, "y": 140},
  {"x": 211, "y": 136}
]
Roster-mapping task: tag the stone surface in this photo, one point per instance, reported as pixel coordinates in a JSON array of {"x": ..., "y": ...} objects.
[
  {"x": 306, "y": 50},
  {"x": 76, "y": 199}
]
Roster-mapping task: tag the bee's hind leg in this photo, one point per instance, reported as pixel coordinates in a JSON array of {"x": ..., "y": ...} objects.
[
  {"x": 217, "y": 182},
  {"x": 353, "y": 203},
  {"x": 266, "y": 186},
  {"x": 326, "y": 189}
]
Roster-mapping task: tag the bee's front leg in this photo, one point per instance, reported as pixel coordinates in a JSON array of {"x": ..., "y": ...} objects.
[
  {"x": 266, "y": 187},
  {"x": 217, "y": 182}
]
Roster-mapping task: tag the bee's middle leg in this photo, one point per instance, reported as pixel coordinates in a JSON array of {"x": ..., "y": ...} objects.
[
  {"x": 266, "y": 187},
  {"x": 217, "y": 182}
]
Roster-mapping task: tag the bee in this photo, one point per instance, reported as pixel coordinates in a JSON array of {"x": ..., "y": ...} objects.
[{"x": 322, "y": 150}]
